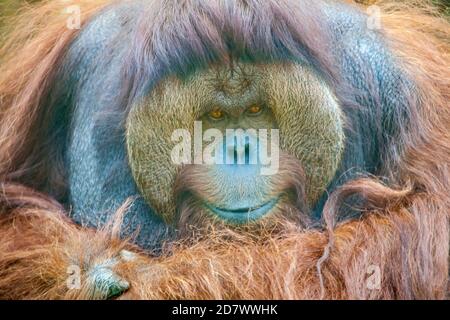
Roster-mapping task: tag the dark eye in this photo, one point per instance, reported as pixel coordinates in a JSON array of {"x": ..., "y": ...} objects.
[
  {"x": 254, "y": 110},
  {"x": 217, "y": 114}
]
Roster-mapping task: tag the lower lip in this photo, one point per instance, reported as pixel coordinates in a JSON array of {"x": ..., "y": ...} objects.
[{"x": 244, "y": 217}]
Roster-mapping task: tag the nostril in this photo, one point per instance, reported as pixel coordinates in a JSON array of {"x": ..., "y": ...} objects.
[
  {"x": 241, "y": 154},
  {"x": 239, "y": 151},
  {"x": 247, "y": 153}
]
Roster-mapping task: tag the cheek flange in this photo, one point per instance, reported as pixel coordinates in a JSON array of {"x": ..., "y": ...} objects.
[
  {"x": 310, "y": 122},
  {"x": 150, "y": 126}
]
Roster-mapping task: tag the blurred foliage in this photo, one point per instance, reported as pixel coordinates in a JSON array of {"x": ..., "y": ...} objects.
[
  {"x": 9, "y": 7},
  {"x": 444, "y": 5}
]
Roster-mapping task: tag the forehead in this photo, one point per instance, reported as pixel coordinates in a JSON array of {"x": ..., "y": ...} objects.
[{"x": 231, "y": 87}]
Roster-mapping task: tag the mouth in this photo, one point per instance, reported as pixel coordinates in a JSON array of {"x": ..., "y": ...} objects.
[{"x": 244, "y": 215}]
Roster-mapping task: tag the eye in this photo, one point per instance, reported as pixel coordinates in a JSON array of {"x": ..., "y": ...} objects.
[
  {"x": 254, "y": 110},
  {"x": 217, "y": 114}
]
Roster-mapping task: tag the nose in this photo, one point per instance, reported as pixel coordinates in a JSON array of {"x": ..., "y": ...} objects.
[{"x": 241, "y": 149}]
